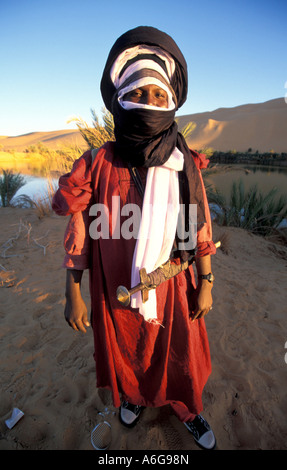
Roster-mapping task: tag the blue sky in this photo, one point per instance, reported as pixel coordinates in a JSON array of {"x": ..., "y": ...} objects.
[{"x": 52, "y": 54}]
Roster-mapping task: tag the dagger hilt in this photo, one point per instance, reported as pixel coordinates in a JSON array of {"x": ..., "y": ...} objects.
[
  {"x": 124, "y": 294},
  {"x": 153, "y": 279}
]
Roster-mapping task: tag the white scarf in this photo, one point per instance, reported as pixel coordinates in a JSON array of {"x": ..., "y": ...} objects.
[{"x": 158, "y": 227}]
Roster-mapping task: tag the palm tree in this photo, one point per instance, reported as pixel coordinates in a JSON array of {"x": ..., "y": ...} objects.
[
  {"x": 9, "y": 185},
  {"x": 96, "y": 136},
  {"x": 188, "y": 129}
]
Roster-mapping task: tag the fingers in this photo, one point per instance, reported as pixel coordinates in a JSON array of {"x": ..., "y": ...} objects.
[
  {"x": 76, "y": 314},
  {"x": 200, "y": 313},
  {"x": 78, "y": 323}
]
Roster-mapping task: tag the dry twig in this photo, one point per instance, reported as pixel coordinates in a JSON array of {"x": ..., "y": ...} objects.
[
  {"x": 42, "y": 246},
  {"x": 10, "y": 243}
]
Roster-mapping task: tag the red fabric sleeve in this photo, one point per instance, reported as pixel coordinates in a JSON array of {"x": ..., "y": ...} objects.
[
  {"x": 77, "y": 242},
  {"x": 75, "y": 189},
  {"x": 200, "y": 159},
  {"x": 74, "y": 198}
]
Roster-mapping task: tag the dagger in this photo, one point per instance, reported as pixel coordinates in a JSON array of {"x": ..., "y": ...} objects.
[{"x": 153, "y": 279}]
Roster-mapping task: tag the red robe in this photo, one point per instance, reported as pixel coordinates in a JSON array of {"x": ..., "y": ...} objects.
[{"x": 144, "y": 363}]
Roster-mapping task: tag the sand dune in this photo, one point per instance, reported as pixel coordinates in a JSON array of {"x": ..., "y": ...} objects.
[
  {"x": 47, "y": 369},
  {"x": 261, "y": 126},
  {"x": 53, "y": 140}
]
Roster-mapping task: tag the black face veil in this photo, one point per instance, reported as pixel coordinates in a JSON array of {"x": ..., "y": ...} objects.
[{"x": 147, "y": 137}]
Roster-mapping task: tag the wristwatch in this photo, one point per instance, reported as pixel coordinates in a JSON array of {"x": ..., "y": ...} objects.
[{"x": 209, "y": 277}]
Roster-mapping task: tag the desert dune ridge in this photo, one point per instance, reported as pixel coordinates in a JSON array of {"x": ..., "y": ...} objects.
[
  {"x": 260, "y": 126},
  {"x": 47, "y": 369}
]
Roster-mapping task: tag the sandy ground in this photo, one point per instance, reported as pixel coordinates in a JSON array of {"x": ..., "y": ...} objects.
[{"x": 47, "y": 369}]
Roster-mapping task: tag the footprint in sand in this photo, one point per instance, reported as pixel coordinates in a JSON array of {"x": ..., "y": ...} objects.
[
  {"x": 172, "y": 436},
  {"x": 67, "y": 356},
  {"x": 239, "y": 331}
]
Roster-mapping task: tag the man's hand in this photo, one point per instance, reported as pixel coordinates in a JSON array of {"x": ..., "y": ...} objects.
[
  {"x": 203, "y": 290},
  {"x": 203, "y": 300},
  {"x": 76, "y": 313}
]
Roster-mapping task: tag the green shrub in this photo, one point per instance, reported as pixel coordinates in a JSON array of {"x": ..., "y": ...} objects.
[
  {"x": 99, "y": 134},
  {"x": 250, "y": 209},
  {"x": 9, "y": 185}
]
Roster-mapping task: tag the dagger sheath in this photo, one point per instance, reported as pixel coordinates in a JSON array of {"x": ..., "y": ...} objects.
[{"x": 153, "y": 279}]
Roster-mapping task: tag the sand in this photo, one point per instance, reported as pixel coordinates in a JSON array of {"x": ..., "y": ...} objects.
[
  {"x": 47, "y": 369},
  {"x": 260, "y": 126},
  {"x": 52, "y": 140}
]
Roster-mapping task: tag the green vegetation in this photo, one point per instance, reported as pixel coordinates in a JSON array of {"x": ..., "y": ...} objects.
[
  {"x": 187, "y": 129},
  {"x": 248, "y": 209},
  {"x": 100, "y": 133},
  {"x": 60, "y": 160},
  {"x": 249, "y": 157},
  {"x": 9, "y": 185}
]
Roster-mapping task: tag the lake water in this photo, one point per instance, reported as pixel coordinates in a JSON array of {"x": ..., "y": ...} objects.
[
  {"x": 36, "y": 183},
  {"x": 266, "y": 178},
  {"x": 35, "y": 187}
]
